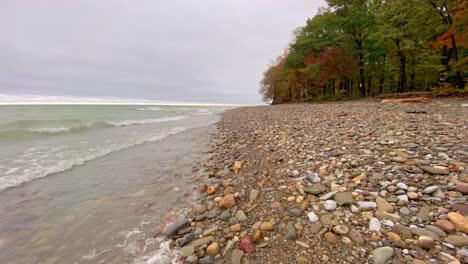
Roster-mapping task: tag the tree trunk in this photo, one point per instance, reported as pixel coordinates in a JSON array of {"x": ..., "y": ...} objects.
[
  {"x": 369, "y": 86},
  {"x": 459, "y": 83},
  {"x": 412, "y": 77},
  {"x": 362, "y": 82},
  {"x": 333, "y": 87},
  {"x": 402, "y": 82},
  {"x": 382, "y": 76}
]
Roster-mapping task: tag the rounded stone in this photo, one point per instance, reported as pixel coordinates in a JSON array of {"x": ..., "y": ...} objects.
[
  {"x": 212, "y": 249},
  {"x": 330, "y": 205}
]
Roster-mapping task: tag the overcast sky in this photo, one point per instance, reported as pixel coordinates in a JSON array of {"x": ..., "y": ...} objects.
[{"x": 177, "y": 50}]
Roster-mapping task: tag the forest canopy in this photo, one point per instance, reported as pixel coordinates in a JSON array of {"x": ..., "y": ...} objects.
[{"x": 358, "y": 48}]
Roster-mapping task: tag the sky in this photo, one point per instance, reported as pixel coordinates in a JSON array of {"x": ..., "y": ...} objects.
[{"x": 174, "y": 50}]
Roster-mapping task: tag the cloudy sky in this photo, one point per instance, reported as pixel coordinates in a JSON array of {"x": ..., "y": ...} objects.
[{"x": 177, "y": 50}]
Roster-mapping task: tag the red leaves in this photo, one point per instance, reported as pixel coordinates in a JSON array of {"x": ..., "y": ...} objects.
[{"x": 445, "y": 39}]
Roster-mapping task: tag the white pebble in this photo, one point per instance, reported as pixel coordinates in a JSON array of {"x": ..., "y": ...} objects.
[
  {"x": 330, "y": 205},
  {"x": 313, "y": 217},
  {"x": 402, "y": 186},
  {"x": 374, "y": 224}
]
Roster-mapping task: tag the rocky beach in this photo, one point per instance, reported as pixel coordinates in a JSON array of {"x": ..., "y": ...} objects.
[{"x": 350, "y": 182}]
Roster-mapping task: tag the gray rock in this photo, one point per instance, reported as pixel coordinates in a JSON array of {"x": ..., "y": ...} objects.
[
  {"x": 201, "y": 241},
  {"x": 233, "y": 221},
  {"x": 344, "y": 198},
  {"x": 436, "y": 230},
  {"x": 295, "y": 212},
  {"x": 224, "y": 216},
  {"x": 207, "y": 260},
  {"x": 237, "y": 256},
  {"x": 423, "y": 232},
  {"x": 315, "y": 189},
  {"x": 210, "y": 230},
  {"x": 176, "y": 226},
  {"x": 313, "y": 177},
  {"x": 241, "y": 215},
  {"x": 290, "y": 232},
  {"x": 187, "y": 251},
  {"x": 423, "y": 214},
  {"x": 458, "y": 241},
  {"x": 430, "y": 189},
  {"x": 186, "y": 239},
  {"x": 405, "y": 211},
  {"x": 191, "y": 259},
  {"x": 382, "y": 254}
]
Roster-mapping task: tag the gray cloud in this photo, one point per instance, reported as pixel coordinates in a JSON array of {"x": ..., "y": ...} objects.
[{"x": 183, "y": 50}]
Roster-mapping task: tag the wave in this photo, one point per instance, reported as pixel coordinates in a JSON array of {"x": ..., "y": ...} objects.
[
  {"x": 50, "y": 130},
  {"x": 32, "y": 128},
  {"x": 43, "y": 170},
  {"x": 150, "y": 109},
  {"x": 148, "y": 121}
]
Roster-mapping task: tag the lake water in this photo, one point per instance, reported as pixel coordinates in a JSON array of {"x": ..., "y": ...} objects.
[{"x": 78, "y": 183}]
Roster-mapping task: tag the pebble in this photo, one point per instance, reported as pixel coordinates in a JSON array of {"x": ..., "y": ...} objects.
[
  {"x": 374, "y": 224},
  {"x": 344, "y": 198},
  {"x": 383, "y": 205},
  {"x": 267, "y": 226},
  {"x": 330, "y": 238},
  {"x": 295, "y": 212},
  {"x": 445, "y": 225},
  {"x": 426, "y": 242},
  {"x": 330, "y": 205},
  {"x": 237, "y": 256},
  {"x": 340, "y": 230},
  {"x": 367, "y": 205},
  {"x": 290, "y": 232},
  {"x": 382, "y": 254},
  {"x": 459, "y": 221},
  {"x": 228, "y": 201},
  {"x": 253, "y": 195},
  {"x": 312, "y": 217},
  {"x": 402, "y": 186},
  {"x": 430, "y": 189}
]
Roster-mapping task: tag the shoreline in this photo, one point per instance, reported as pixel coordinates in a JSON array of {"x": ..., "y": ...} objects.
[{"x": 308, "y": 183}]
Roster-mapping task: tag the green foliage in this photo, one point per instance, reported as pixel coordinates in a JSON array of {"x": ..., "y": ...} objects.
[{"x": 368, "y": 47}]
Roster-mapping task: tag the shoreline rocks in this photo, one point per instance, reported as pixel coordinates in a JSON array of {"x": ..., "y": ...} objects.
[{"x": 303, "y": 183}]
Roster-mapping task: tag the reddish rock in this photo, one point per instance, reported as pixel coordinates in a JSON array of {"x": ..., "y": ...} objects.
[
  {"x": 228, "y": 201},
  {"x": 461, "y": 208},
  {"x": 445, "y": 225},
  {"x": 247, "y": 245},
  {"x": 210, "y": 190},
  {"x": 461, "y": 187}
]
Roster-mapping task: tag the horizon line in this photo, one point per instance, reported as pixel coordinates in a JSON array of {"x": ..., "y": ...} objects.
[{"x": 112, "y": 103}]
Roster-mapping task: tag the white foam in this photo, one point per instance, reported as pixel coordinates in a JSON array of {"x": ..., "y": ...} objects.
[
  {"x": 148, "y": 121},
  {"x": 150, "y": 109},
  {"x": 51, "y": 130},
  {"x": 36, "y": 169}
]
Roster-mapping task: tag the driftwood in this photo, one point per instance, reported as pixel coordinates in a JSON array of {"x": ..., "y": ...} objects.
[
  {"x": 407, "y": 100},
  {"x": 416, "y": 112}
]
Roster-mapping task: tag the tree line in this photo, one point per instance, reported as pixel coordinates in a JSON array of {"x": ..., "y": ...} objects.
[{"x": 358, "y": 48}]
